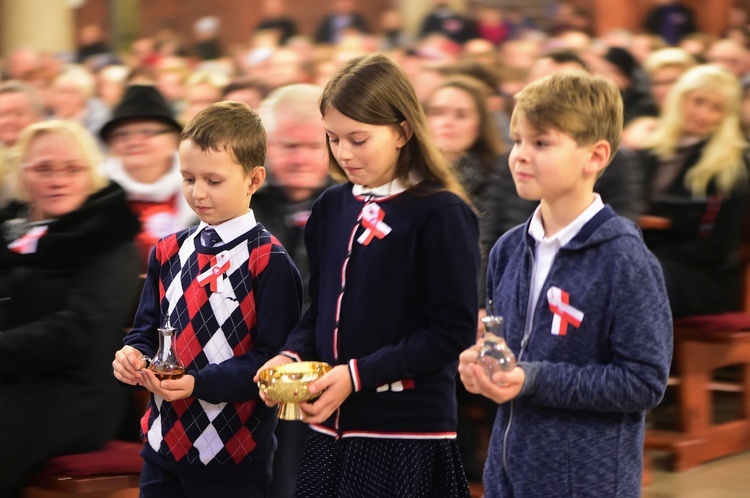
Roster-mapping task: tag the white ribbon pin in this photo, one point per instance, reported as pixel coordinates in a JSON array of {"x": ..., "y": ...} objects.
[
  {"x": 215, "y": 274},
  {"x": 564, "y": 313},
  {"x": 372, "y": 220}
]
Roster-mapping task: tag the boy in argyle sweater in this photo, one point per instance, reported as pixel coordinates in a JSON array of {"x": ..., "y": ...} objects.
[
  {"x": 585, "y": 307},
  {"x": 233, "y": 294}
]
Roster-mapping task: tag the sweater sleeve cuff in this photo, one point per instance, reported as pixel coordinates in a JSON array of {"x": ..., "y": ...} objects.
[
  {"x": 354, "y": 374},
  {"x": 292, "y": 355},
  {"x": 531, "y": 369}
]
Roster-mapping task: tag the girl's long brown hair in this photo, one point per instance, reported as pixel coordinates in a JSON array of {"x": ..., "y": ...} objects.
[{"x": 374, "y": 90}]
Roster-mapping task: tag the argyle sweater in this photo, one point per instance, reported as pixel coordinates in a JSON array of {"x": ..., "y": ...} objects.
[{"x": 224, "y": 334}]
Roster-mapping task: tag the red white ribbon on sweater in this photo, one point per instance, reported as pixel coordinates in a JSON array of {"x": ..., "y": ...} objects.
[
  {"x": 372, "y": 220},
  {"x": 564, "y": 313},
  {"x": 27, "y": 243},
  {"x": 214, "y": 276}
]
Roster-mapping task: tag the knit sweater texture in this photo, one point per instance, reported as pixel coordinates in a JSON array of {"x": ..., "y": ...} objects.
[
  {"x": 577, "y": 427},
  {"x": 398, "y": 310},
  {"x": 224, "y": 431}
]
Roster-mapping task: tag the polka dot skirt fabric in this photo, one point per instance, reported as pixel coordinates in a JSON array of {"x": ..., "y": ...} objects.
[{"x": 380, "y": 468}]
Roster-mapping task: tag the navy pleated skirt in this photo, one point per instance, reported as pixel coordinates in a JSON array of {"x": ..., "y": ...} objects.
[{"x": 380, "y": 468}]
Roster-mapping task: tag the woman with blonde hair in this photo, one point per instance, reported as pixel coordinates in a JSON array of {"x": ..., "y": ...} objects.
[
  {"x": 697, "y": 190},
  {"x": 68, "y": 283}
]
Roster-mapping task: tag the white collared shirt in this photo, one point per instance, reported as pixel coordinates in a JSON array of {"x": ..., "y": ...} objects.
[
  {"x": 393, "y": 187},
  {"x": 547, "y": 247},
  {"x": 231, "y": 229}
]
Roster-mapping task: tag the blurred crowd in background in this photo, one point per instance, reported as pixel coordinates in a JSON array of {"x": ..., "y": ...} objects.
[{"x": 465, "y": 69}]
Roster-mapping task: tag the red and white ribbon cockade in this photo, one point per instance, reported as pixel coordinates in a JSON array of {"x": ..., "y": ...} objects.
[
  {"x": 214, "y": 276},
  {"x": 564, "y": 313},
  {"x": 27, "y": 243},
  {"x": 372, "y": 221}
]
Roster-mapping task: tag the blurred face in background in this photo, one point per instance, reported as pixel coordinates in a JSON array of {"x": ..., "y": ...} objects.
[
  {"x": 55, "y": 175},
  {"x": 198, "y": 97},
  {"x": 662, "y": 81},
  {"x": 730, "y": 55},
  {"x": 67, "y": 101},
  {"x": 544, "y": 66},
  {"x": 703, "y": 110},
  {"x": 16, "y": 113},
  {"x": 250, "y": 96},
  {"x": 145, "y": 147},
  {"x": 453, "y": 119},
  {"x": 297, "y": 156},
  {"x": 171, "y": 84}
]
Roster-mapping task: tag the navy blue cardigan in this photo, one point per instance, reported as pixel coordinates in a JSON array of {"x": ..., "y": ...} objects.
[{"x": 408, "y": 309}]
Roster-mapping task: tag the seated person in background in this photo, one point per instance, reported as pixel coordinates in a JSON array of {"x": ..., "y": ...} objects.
[
  {"x": 72, "y": 99},
  {"x": 670, "y": 20},
  {"x": 202, "y": 88},
  {"x": 342, "y": 19},
  {"x": 695, "y": 165},
  {"x": 143, "y": 137},
  {"x": 663, "y": 68},
  {"x": 68, "y": 267},
  {"x": 207, "y": 45},
  {"x": 465, "y": 132},
  {"x": 247, "y": 90},
  {"x": 444, "y": 20},
  {"x": 275, "y": 17},
  {"x": 297, "y": 166},
  {"x": 619, "y": 65},
  {"x": 20, "y": 106}
]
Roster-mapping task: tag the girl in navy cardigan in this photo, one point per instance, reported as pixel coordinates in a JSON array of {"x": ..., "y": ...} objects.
[{"x": 393, "y": 260}]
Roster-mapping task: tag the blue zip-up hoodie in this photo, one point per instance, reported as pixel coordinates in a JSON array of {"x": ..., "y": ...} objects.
[{"x": 577, "y": 427}]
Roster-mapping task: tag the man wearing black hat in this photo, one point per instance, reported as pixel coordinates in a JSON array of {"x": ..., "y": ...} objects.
[{"x": 143, "y": 137}]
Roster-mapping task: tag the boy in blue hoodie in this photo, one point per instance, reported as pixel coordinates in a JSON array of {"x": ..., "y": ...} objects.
[{"x": 585, "y": 308}]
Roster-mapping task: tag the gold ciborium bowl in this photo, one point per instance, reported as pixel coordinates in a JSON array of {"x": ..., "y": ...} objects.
[{"x": 288, "y": 383}]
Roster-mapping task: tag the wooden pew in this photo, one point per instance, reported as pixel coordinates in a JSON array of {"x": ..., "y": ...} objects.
[{"x": 702, "y": 345}]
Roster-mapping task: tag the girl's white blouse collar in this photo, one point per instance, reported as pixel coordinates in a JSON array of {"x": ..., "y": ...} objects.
[{"x": 392, "y": 188}]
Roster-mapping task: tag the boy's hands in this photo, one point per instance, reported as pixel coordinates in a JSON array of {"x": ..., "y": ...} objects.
[
  {"x": 127, "y": 366},
  {"x": 170, "y": 390},
  {"x": 277, "y": 360},
  {"x": 130, "y": 369},
  {"x": 335, "y": 386},
  {"x": 503, "y": 386}
]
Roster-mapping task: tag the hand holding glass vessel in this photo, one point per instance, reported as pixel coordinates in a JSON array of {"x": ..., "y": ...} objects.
[
  {"x": 287, "y": 384},
  {"x": 494, "y": 354},
  {"x": 165, "y": 363}
]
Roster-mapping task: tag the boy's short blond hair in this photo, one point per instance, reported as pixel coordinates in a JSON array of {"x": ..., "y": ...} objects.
[
  {"x": 233, "y": 127},
  {"x": 586, "y": 107}
]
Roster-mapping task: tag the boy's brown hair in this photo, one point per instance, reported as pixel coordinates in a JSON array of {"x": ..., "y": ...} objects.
[
  {"x": 586, "y": 107},
  {"x": 233, "y": 127}
]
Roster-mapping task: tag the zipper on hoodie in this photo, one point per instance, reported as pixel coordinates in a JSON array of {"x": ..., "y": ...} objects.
[{"x": 528, "y": 327}]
